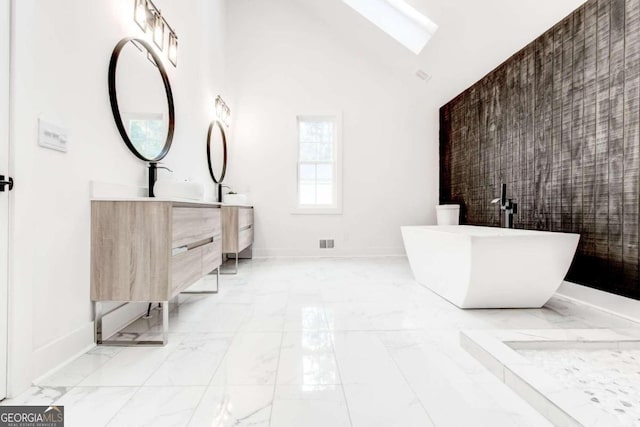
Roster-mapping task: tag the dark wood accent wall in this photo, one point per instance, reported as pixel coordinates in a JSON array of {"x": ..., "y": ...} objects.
[{"x": 559, "y": 123}]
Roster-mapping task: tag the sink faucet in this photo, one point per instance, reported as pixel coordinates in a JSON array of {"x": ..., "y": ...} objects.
[
  {"x": 153, "y": 175},
  {"x": 220, "y": 187},
  {"x": 508, "y": 206}
]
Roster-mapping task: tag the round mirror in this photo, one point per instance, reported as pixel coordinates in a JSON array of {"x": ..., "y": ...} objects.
[
  {"x": 141, "y": 99},
  {"x": 217, "y": 151}
]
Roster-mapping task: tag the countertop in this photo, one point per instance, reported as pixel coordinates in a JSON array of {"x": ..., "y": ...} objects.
[
  {"x": 155, "y": 199},
  {"x": 165, "y": 199}
]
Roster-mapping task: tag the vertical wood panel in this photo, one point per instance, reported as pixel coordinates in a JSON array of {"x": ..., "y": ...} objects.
[
  {"x": 556, "y": 164},
  {"x": 474, "y": 208},
  {"x": 567, "y": 110},
  {"x": 577, "y": 122},
  {"x": 589, "y": 147},
  {"x": 445, "y": 154},
  {"x": 616, "y": 139},
  {"x": 559, "y": 122},
  {"x": 602, "y": 143},
  {"x": 631, "y": 141},
  {"x": 530, "y": 138}
]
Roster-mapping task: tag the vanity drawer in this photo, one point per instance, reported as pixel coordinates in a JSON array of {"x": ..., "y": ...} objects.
[
  {"x": 186, "y": 269},
  {"x": 191, "y": 225},
  {"x": 245, "y": 238},
  {"x": 211, "y": 256},
  {"x": 245, "y": 217}
]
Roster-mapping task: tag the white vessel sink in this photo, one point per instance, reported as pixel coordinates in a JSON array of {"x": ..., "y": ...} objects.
[
  {"x": 178, "y": 190},
  {"x": 235, "y": 199}
]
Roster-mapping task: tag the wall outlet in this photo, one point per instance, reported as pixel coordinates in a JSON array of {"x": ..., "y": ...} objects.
[
  {"x": 323, "y": 244},
  {"x": 330, "y": 244}
]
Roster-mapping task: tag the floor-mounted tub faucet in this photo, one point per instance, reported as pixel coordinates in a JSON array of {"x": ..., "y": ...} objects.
[{"x": 508, "y": 206}]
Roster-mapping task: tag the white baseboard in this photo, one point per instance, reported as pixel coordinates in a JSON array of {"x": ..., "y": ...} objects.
[
  {"x": 328, "y": 253},
  {"x": 52, "y": 356},
  {"x": 611, "y": 303},
  {"x": 58, "y": 353}
]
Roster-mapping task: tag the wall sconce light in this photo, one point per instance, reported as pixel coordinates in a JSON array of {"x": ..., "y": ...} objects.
[
  {"x": 158, "y": 31},
  {"x": 148, "y": 16},
  {"x": 223, "y": 112},
  {"x": 140, "y": 14},
  {"x": 172, "y": 54}
]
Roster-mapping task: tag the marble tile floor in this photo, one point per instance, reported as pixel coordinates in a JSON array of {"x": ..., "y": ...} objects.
[{"x": 307, "y": 342}]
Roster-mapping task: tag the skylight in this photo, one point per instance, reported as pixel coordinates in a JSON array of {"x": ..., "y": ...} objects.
[{"x": 398, "y": 19}]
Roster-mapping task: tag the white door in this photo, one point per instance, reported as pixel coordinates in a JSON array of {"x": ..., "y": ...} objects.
[{"x": 4, "y": 195}]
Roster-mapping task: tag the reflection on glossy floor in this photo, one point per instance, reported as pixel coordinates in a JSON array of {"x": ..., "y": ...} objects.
[{"x": 313, "y": 342}]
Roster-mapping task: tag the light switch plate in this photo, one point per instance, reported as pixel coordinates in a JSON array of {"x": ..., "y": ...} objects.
[{"x": 52, "y": 136}]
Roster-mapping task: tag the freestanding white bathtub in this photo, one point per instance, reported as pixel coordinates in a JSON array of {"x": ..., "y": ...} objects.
[{"x": 487, "y": 267}]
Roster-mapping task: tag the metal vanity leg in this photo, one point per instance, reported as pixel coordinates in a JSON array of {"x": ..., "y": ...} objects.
[
  {"x": 98, "y": 322},
  {"x": 165, "y": 322},
  {"x": 236, "y": 264},
  {"x": 98, "y": 331},
  {"x": 208, "y": 292}
]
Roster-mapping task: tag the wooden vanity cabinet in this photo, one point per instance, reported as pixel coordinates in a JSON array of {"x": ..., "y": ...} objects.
[
  {"x": 150, "y": 251},
  {"x": 237, "y": 230}
]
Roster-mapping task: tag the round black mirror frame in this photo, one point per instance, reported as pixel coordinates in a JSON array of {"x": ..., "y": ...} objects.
[
  {"x": 113, "y": 97},
  {"x": 224, "y": 149}
]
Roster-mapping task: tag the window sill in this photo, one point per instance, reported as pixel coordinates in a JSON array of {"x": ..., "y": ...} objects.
[{"x": 316, "y": 211}]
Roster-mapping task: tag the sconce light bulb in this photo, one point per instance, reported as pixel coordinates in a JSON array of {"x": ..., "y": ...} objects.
[
  {"x": 227, "y": 114},
  {"x": 173, "y": 49},
  {"x": 218, "y": 108},
  {"x": 141, "y": 14},
  {"x": 158, "y": 32}
]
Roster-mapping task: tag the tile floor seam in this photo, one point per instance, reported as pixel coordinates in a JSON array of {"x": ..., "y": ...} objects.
[
  {"x": 275, "y": 381},
  {"x": 142, "y": 387},
  {"x": 70, "y": 362},
  {"x": 116, "y": 413},
  {"x": 163, "y": 360},
  {"x": 335, "y": 356},
  {"x": 406, "y": 380},
  {"x": 206, "y": 388}
]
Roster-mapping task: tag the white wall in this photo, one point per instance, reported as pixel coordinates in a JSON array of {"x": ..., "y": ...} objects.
[
  {"x": 61, "y": 51},
  {"x": 286, "y": 62}
]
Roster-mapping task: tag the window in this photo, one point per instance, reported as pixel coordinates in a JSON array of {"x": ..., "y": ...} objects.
[
  {"x": 399, "y": 20},
  {"x": 318, "y": 164}
]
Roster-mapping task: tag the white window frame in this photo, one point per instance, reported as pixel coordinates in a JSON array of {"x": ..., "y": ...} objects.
[{"x": 336, "y": 207}]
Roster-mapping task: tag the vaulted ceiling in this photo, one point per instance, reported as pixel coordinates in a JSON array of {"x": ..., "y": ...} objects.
[{"x": 474, "y": 36}]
